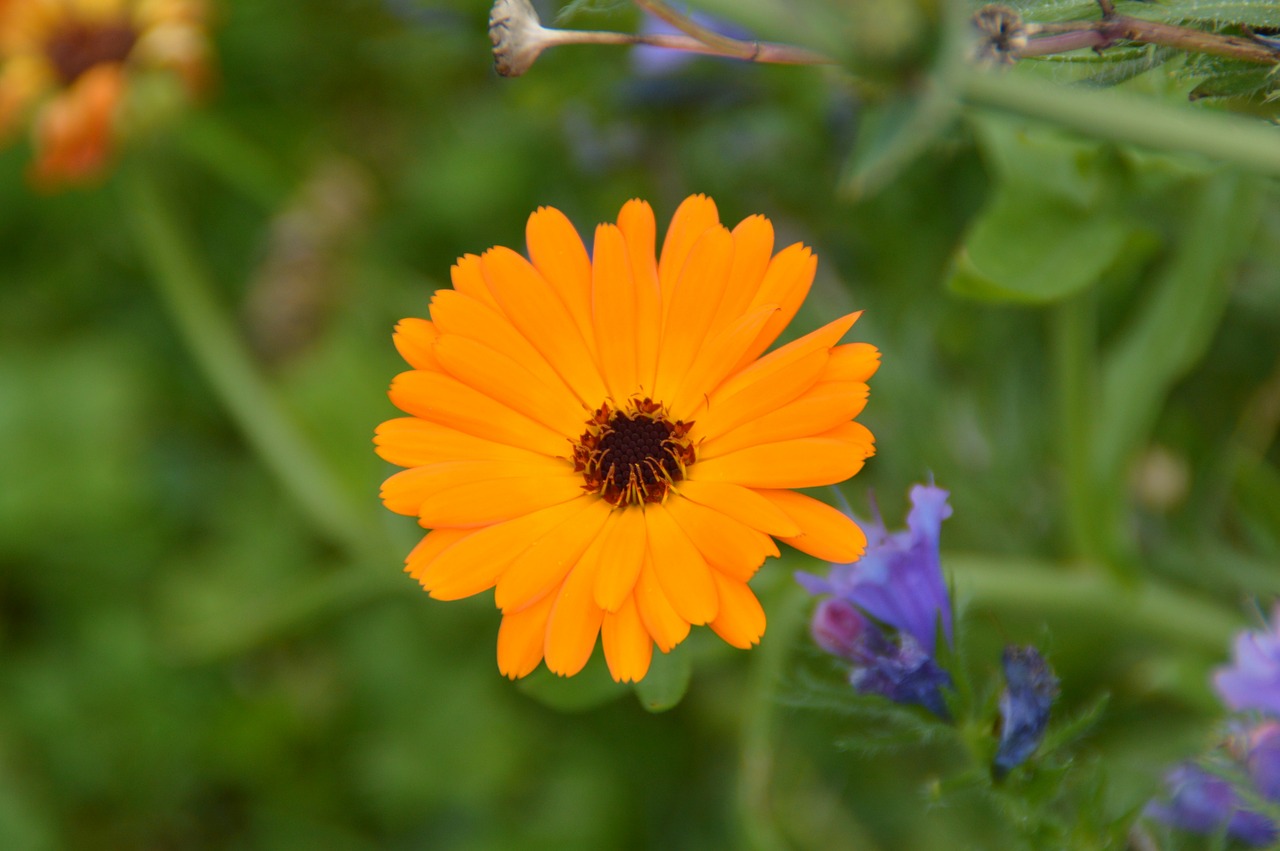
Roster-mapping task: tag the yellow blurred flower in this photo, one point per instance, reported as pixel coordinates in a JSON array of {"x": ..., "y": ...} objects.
[
  {"x": 603, "y": 440},
  {"x": 66, "y": 67}
]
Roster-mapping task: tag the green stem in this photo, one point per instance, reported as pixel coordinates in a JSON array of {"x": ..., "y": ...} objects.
[
  {"x": 754, "y": 801},
  {"x": 1152, "y": 609},
  {"x": 1125, "y": 118},
  {"x": 184, "y": 287},
  {"x": 1075, "y": 350}
]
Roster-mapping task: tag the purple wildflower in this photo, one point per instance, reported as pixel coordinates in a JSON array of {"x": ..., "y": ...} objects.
[
  {"x": 1205, "y": 803},
  {"x": 899, "y": 579},
  {"x": 1024, "y": 706},
  {"x": 898, "y": 582},
  {"x": 904, "y": 673},
  {"x": 899, "y": 670},
  {"x": 1253, "y": 681}
]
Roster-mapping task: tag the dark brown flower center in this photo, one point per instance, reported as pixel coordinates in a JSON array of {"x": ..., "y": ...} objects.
[
  {"x": 633, "y": 456},
  {"x": 76, "y": 46}
]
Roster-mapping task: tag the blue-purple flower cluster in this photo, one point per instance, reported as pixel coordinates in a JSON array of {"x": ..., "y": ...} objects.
[
  {"x": 886, "y": 614},
  {"x": 1203, "y": 802},
  {"x": 898, "y": 584}
]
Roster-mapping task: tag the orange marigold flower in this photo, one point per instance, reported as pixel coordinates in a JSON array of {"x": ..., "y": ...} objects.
[
  {"x": 599, "y": 438},
  {"x": 66, "y": 67}
]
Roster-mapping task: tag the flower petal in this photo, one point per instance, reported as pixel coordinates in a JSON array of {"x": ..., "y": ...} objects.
[
  {"x": 852, "y": 362},
  {"x": 455, "y": 313},
  {"x": 821, "y": 408},
  {"x": 543, "y": 566},
  {"x": 742, "y": 504},
  {"x": 806, "y": 462},
  {"x": 777, "y": 361},
  {"x": 406, "y": 490},
  {"x": 475, "y": 562},
  {"x": 635, "y": 221},
  {"x": 480, "y": 503},
  {"x": 509, "y": 382},
  {"x": 713, "y": 363},
  {"x": 613, "y": 305},
  {"x": 415, "y": 339},
  {"x": 626, "y": 546},
  {"x": 574, "y": 623},
  {"x": 538, "y": 312},
  {"x": 628, "y": 647},
  {"x": 468, "y": 279},
  {"x": 728, "y": 546},
  {"x": 656, "y": 612},
  {"x": 741, "y": 620},
  {"x": 694, "y": 300},
  {"x": 432, "y": 544},
  {"x": 411, "y": 442},
  {"x": 682, "y": 572},
  {"x": 445, "y": 400},
  {"x": 786, "y": 283},
  {"x": 559, "y": 256},
  {"x": 692, "y": 218},
  {"x": 829, "y": 534},
  {"x": 771, "y": 382},
  {"x": 521, "y": 636},
  {"x": 752, "y": 251}
]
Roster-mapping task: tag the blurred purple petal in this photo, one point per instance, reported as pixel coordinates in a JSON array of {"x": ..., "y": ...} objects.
[
  {"x": 1253, "y": 680},
  {"x": 648, "y": 61},
  {"x": 1204, "y": 803}
]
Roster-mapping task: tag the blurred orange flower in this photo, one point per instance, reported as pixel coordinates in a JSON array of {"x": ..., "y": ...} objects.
[
  {"x": 600, "y": 439},
  {"x": 66, "y": 67}
]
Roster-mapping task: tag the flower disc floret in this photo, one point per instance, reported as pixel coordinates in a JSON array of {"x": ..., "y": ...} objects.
[{"x": 634, "y": 455}]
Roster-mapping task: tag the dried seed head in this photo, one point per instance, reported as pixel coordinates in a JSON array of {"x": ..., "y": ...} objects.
[
  {"x": 518, "y": 36},
  {"x": 1001, "y": 35}
]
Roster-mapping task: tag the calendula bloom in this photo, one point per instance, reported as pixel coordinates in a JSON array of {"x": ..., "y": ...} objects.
[
  {"x": 602, "y": 439},
  {"x": 67, "y": 66}
]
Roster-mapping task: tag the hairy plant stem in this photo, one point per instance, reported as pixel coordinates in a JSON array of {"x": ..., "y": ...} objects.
[{"x": 1099, "y": 35}]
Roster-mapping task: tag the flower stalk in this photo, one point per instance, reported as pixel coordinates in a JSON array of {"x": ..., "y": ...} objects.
[
  {"x": 1007, "y": 38},
  {"x": 519, "y": 39}
]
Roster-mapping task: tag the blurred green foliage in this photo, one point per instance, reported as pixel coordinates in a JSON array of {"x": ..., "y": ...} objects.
[{"x": 1080, "y": 342}]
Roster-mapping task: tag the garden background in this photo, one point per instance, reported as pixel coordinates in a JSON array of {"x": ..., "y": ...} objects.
[{"x": 206, "y": 640}]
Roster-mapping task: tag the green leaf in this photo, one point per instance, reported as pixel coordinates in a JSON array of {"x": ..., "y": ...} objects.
[
  {"x": 1064, "y": 213},
  {"x": 1033, "y": 248},
  {"x": 1254, "y": 13},
  {"x": 667, "y": 681},
  {"x": 1234, "y": 81},
  {"x": 589, "y": 688}
]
